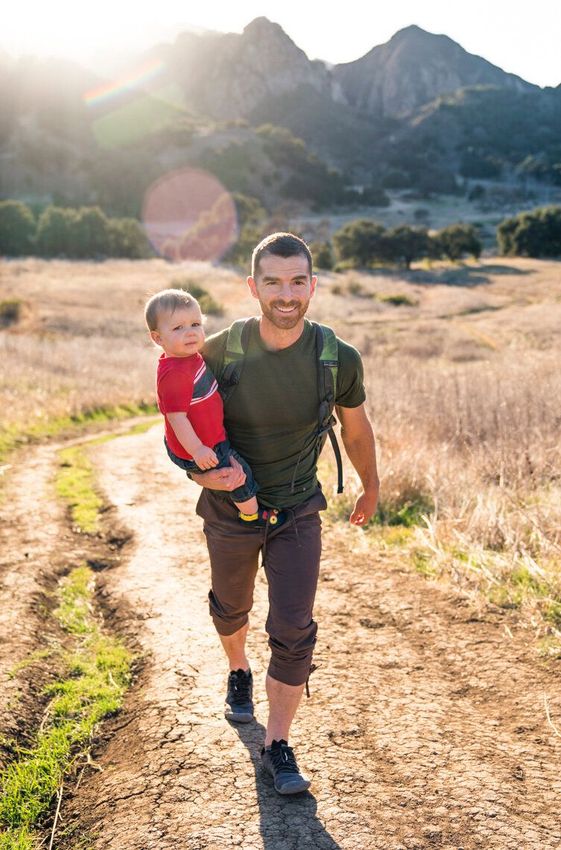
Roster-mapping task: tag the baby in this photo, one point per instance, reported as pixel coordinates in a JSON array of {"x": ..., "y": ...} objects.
[{"x": 188, "y": 397}]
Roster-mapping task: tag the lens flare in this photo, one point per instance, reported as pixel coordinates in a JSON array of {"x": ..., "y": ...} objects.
[
  {"x": 136, "y": 79},
  {"x": 189, "y": 215},
  {"x": 140, "y": 101}
]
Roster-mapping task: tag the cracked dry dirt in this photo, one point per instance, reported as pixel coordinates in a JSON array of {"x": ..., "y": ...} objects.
[{"x": 425, "y": 728}]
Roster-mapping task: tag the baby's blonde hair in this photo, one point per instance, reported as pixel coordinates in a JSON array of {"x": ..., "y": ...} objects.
[{"x": 166, "y": 301}]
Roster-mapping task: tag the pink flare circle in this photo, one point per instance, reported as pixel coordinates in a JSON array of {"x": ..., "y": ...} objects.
[{"x": 189, "y": 215}]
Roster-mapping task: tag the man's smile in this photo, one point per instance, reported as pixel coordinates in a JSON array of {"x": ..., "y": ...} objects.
[{"x": 285, "y": 309}]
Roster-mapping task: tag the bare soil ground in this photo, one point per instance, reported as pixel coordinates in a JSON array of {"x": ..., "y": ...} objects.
[{"x": 426, "y": 725}]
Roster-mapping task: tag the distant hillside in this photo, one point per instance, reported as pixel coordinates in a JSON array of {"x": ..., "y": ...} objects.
[
  {"x": 418, "y": 112},
  {"x": 227, "y": 76}
]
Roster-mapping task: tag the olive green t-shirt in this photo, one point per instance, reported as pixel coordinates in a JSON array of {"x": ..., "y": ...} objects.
[{"x": 271, "y": 416}]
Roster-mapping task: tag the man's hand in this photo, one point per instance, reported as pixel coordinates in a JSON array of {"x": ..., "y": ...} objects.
[
  {"x": 204, "y": 457},
  {"x": 364, "y": 509},
  {"x": 227, "y": 478},
  {"x": 358, "y": 439}
]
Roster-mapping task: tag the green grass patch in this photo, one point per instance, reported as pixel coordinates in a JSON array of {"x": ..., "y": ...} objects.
[
  {"x": 16, "y": 435},
  {"x": 549, "y": 647},
  {"x": 75, "y": 481},
  {"x": 75, "y": 485},
  {"x": 522, "y": 578},
  {"x": 407, "y": 510},
  {"x": 422, "y": 562},
  {"x": 504, "y": 596},
  {"x": 396, "y": 535},
  {"x": 97, "y": 674},
  {"x": 17, "y": 839},
  {"x": 552, "y": 612},
  {"x": 404, "y": 510}
]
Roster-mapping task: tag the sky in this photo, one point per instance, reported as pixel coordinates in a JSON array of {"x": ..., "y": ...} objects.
[{"x": 522, "y": 39}]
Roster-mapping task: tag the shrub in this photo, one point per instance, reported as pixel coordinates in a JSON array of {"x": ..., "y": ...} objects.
[
  {"x": 398, "y": 300},
  {"x": 90, "y": 232},
  {"x": 209, "y": 306},
  {"x": 10, "y": 312},
  {"x": 322, "y": 254},
  {"x": 17, "y": 228},
  {"x": 456, "y": 240},
  {"x": 406, "y": 244},
  {"x": 361, "y": 241},
  {"x": 55, "y": 232},
  {"x": 531, "y": 234},
  {"x": 128, "y": 239}
]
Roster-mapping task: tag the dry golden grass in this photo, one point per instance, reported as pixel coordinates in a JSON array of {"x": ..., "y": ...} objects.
[{"x": 463, "y": 383}]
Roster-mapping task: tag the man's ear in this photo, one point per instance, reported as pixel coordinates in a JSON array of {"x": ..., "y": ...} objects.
[
  {"x": 252, "y": 286},
  {"x": 313, "y": 284},
  {"x": 155, "y": 337}
]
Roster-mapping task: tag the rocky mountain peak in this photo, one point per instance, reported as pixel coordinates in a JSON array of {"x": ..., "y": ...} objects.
[
  {"x": 262, "y": 26},
  {"x": 413, "y": 68}
]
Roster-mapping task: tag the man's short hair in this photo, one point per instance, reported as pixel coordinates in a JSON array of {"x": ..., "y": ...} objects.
[
  {"x": 166, "y": 301},
  {"x": 280, "y": 245}
]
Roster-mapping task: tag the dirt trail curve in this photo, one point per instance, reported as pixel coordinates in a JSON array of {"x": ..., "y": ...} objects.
[{"x": 426, "y": 726}]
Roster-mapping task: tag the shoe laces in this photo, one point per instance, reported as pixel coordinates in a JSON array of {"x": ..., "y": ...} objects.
[
  {"x": 240, "y": 683},
  {"x": 283, "y": 758}
]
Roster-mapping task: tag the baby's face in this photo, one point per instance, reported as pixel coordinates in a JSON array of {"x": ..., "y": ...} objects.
[{"x": 180, "y": 333}]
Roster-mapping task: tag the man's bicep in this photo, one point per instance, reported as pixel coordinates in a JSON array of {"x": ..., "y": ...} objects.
[
  {"x": 350, "y": 380},
  {"x": 354, "y": 420}
]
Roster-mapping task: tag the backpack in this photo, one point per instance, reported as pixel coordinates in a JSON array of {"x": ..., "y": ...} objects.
[{"x": 327, "y": 366}]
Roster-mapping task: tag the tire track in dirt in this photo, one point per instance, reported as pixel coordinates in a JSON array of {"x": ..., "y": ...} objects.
[{"x": 426, "y": 726}]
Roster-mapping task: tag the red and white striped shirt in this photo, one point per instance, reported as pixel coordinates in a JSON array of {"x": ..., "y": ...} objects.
[{"x": 186, "y": 385}]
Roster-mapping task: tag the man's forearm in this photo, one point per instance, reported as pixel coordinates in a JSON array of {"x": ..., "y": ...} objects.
[{"x": 361, "y": 451}]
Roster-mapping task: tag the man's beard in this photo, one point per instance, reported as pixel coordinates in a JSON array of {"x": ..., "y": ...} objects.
[{"x": 288, "y": 321}]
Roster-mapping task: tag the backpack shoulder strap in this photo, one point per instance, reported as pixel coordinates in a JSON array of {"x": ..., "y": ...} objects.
[
  {"x": 328, "y": 354},
  {"x": 328, "y": 367},
  {"x": 232, "y": 363}
]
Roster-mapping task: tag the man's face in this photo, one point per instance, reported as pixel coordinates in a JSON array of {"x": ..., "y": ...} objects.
[
  {"x": 180, "y": 333},
  {"x": 283, "y": 287}
]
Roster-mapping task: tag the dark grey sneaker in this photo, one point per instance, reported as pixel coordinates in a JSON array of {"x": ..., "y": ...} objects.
[
  {"x": 279, "y": 761},
  {"x": 239, "y": 703}
]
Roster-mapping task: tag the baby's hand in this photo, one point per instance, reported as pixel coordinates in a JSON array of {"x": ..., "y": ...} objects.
[{"x": 205, "y": 458}]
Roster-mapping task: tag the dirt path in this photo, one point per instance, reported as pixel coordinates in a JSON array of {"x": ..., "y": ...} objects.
[
  {"x": 33, "y": 542},
  {"x": 426, "y": 726}
]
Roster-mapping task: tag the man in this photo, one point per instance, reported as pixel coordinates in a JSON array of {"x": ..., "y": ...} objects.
[{"x": 271, "y": 417}]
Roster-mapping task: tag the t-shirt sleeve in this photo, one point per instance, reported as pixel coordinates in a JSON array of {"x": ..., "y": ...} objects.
[
  {"x": 350, "y": 377},
  {"x": 213, "y": 352},
  {"x": 175, "y": 390}
]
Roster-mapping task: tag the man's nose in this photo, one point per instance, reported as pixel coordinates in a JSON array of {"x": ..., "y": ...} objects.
[{"x": 286, "y": 291}]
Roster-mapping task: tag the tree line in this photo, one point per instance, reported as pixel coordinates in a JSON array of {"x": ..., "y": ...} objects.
[
  {"x": 87, "y": 233},
  {"x": 84, "y": 233}
]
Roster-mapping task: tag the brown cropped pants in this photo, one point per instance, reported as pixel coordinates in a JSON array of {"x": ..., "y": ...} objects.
[{"x": 291, "y": 556}]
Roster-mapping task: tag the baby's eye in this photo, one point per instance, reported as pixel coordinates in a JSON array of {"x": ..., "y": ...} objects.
[{"x": 195, "y": 324}]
